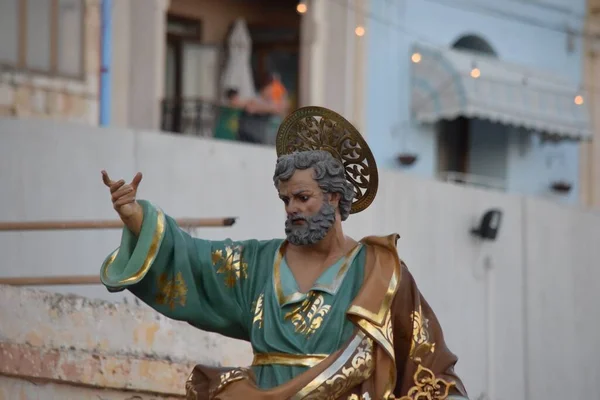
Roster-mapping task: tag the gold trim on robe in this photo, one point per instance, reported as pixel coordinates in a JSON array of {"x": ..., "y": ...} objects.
[
  {"x": 378, "y": 318},
  {"x": 297, "y": 296},
  {"x": 352, "y": 367},
  {"x": 301, "y": 360},
  {"x": 159, "y": 231}
]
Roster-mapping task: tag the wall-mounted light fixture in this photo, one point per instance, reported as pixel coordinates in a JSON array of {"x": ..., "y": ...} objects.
[{"x": 489, "y": 225}]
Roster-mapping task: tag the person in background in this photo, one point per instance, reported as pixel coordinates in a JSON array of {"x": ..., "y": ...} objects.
[
  {"x": 228, "y": 120},
  {"x": 275, "y": 92},
  {"x": 233, "y": 98},
  {"x": 262, "y": 114}
]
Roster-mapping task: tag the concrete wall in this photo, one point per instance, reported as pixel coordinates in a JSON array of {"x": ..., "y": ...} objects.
[
  {"x": 70, "y": 347},
  {"x": 394, "y": 26},
  {"x": 518, "y": 311}
]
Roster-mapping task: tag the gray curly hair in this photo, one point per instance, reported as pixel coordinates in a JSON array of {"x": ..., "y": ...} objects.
[{"x": 329, "y": 174}]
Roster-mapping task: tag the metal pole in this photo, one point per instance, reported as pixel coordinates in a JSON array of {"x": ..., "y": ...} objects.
[
  {"x": 107, "y": 224},
  {"x": 51, "y": 280}
]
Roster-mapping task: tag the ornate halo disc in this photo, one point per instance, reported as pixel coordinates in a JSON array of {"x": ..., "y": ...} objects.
[{"x": 318, "y": 128}]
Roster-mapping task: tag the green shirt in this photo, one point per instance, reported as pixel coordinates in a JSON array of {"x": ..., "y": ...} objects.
[
  {"x": 240, "y": 289},
  {"x": 227, "y": 123}
]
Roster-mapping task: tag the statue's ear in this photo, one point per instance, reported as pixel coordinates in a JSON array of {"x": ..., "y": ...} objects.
[{"x": 334, "y": 199}]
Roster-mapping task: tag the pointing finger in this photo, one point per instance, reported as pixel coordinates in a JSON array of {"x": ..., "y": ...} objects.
[
  {"x": 107, "y": 181},
  {"x": 136, "y": 180}
]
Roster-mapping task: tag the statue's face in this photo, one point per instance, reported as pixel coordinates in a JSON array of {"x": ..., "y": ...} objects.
[{"x": 310, "y": 215}]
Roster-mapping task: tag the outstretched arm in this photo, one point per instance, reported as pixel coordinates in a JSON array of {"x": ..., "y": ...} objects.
[{"x": 210, "y": 284}]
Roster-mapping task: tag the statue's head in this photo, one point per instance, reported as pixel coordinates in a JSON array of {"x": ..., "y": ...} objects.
[
  {"x": 325, "y": 171},
  {"x": 313, "y": 186}
]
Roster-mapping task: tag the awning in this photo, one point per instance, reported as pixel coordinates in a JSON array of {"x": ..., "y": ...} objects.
[{"x": 448, "y": 83}]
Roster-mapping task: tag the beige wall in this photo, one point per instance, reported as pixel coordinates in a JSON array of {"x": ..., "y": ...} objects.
[
  {"x": 29, "y": 95},
  {"x": 73, "y": 348},
  {"x": 590, "y": 152},
  {"x": 516, "y": 311}
]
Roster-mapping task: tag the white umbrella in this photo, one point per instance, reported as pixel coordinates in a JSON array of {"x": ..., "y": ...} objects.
[{"x": 238, "y": 69}]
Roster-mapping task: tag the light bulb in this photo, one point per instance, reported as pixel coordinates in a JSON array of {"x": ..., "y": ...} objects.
[
  {"x": 578, "y": 100},
  {"x": 360, "y": 31},
  {"x": 301, "y": 8},
  {"x": 475, "y": 73},
  {"x": 416, "y": 58}
]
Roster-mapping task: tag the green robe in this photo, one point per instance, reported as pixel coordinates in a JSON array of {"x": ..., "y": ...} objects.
[{"x": 240, "y": 289}]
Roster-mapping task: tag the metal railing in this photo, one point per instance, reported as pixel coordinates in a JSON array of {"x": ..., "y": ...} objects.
[
  {"x": 189, "y": 116},
  {"x": 199, "y": 117},
  {"x": 473, "y": 180}
]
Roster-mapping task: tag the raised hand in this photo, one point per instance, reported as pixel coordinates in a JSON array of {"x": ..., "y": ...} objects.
[{"x": 124, "y": 200}]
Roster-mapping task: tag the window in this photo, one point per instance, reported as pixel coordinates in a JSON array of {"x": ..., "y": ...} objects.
[{"x": 44, "y": 36}]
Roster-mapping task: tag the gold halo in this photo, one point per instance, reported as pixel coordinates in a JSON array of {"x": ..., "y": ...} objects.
[{"x": 318, "y": 128}]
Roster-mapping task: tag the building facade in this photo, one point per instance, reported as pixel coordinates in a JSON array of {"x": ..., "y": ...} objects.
[
  {"x": 159, "y": 55},
  {"x": 521, "y": 125},
  {"x": 55, "y": 57},
  {"x": 488, "y": 93},
  {"x": 50, "y": 59}
]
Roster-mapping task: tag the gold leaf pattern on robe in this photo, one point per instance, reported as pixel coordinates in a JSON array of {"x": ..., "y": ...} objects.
[
  {"x": 421, "y": 343},
  {"x": 190, "y": 390},
  {"x": 230, "y": 263},
  {"x": 172, "y": 291},
  {"x": 427, "y": 386},
  {"x": 308, "y": 317},
  {"x": 364, "y": 396},
  {"x": 352, "y": 374},
  {"x": 258, "y": 311},
  {"x": 228, "y": 377}
]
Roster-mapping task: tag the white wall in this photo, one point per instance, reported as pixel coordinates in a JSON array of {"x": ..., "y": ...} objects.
[{"x": 519, "y": 312}]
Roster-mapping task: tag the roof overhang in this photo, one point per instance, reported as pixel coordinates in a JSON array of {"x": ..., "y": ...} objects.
[{"x": 449, "y": 83}]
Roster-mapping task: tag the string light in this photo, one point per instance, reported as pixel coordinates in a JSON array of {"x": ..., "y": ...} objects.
[
  {"x": 578, "y": 100},
  {"x": 475, "y": 73},
  {"x": 360, "y": 31},
  {"x": 416, "y": 58},
  {"x": 301, "y": 7}
]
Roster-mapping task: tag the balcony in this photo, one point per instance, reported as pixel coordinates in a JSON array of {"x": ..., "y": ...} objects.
[{"x": 197, "y": 117}]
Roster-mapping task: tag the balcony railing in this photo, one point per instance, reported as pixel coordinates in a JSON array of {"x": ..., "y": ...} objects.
[
  {"x": 189, "y": 116},
  {"x": 486, "y": 182},
  {"x": 203, "y": 118}
]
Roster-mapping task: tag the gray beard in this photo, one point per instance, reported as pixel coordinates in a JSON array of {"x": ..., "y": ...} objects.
[{"x": 313, "y": 230}]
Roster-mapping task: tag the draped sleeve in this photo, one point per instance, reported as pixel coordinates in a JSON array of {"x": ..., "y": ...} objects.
[{"x": 209, "y": 284}]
